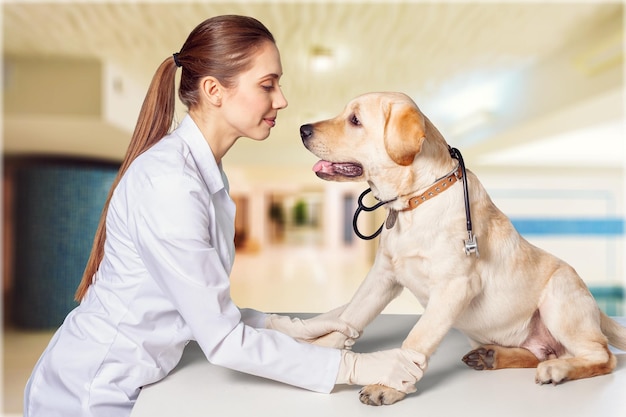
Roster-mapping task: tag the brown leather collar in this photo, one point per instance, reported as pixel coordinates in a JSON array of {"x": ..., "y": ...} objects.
[
  {"x": 442, "y": 184},
  {"x": 437, "y": 188}
]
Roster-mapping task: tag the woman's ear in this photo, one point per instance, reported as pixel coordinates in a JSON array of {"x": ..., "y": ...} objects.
[
  {"x": 212, "y": 90},
  {"x": 404, "y": 133}
]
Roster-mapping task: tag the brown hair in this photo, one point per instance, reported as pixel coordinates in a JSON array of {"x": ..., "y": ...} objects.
[{"x": 221, "y": 47}]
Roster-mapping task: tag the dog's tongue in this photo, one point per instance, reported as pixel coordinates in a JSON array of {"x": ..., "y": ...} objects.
[{"x": 323, "y": 166}]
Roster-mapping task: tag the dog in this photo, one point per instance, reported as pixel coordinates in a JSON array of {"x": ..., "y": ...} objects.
[{"x": 520, "y": 306}]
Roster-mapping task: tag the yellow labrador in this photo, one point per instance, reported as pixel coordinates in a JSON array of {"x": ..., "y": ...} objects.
[{"x": 519, "y": 305}]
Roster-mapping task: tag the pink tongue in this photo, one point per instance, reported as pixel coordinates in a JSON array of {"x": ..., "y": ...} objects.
[{"x": 323, "y": 166}]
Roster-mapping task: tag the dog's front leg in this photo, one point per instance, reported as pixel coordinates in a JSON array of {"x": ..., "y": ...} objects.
[
  {"x": 375, "y": 292},
  {"x": 447, "y": 301}
]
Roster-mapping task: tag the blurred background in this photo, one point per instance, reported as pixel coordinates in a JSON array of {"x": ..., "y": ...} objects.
[{"x": 531, "y": 93}]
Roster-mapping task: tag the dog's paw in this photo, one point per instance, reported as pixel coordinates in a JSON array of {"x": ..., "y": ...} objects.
[
  {"x": 553, "y": 372},
  {"x": 334, "y": 340},
  {"x": 480, "y": 359},
  {"x": 379, "y": 395}
]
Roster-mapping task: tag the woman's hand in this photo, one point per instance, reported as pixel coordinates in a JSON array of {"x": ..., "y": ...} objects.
[
  {"x": 339, "y": 334},
  {"x": 399, "y": 369}
]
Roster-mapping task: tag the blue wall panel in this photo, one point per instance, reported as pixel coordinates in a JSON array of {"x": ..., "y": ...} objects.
[
  {"x": 564, "y": 226},
  {"x": 58, "y": 206}
]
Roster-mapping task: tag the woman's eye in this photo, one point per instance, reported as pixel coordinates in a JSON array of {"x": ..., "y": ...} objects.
[
  {"x": 269, "y": 87},
  {"x": 355, "y": 120}
]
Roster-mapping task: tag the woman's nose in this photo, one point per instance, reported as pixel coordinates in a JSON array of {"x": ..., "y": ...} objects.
[{"x": 280, "y": 102}]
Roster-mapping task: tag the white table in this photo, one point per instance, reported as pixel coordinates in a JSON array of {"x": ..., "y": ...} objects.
[{"x": 449, "y": 388}]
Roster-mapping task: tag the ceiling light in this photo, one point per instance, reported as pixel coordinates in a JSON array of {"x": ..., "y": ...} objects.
[{"x": 321, "y": 59}]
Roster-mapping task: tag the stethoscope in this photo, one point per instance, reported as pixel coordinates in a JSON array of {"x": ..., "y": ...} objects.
[
  {"x": 362, "y": 207},
  {"x": 471, "y": 245}
]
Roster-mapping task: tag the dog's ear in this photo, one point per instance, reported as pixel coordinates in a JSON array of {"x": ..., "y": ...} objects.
[{"x": 404, "y": 132}]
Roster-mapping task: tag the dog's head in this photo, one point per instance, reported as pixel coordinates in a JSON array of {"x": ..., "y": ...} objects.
[{"x": 376, "y": 138}]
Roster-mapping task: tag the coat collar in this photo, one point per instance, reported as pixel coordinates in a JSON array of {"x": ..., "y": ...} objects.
[{"x": 211, "y": 172}]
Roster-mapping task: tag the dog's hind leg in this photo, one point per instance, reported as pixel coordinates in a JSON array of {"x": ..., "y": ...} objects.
[
  {"x": 491, "y": 357},
  {"x": 571, "y": 315},
  {"x": 539, "y": 344},
  {"x": 556, "y": 371}
]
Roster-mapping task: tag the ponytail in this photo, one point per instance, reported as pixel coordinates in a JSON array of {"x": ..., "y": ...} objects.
[{"x": 154, "y": 122}]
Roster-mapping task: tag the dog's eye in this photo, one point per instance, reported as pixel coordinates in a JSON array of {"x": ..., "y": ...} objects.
[{"x": 355, "y": 120}]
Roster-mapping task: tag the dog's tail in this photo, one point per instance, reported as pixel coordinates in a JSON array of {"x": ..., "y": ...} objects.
[{"x": 613, "y": 331}]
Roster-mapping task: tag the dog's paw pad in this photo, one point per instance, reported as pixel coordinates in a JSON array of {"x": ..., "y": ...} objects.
[
  {"x": 480, "y": 359},
  {"x": 379, "y": 395}
]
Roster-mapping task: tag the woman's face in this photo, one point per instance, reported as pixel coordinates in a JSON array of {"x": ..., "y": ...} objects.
[{"x": 251, "y": 106}]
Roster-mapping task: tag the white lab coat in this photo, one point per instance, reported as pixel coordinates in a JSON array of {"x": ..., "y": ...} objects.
[{"x": 164, "y": 280}]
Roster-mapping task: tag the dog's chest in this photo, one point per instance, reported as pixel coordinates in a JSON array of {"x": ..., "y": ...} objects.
[
  {"x": 421, "y": 237},
  {"x": 423, "y": 250},
  {"x": 411, "y": 262}
]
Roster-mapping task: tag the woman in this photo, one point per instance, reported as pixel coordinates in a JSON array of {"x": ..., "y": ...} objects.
[{"x": 158, "y": 275}]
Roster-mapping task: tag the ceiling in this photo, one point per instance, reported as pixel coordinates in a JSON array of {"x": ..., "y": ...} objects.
[{"x": 491, "y": 76}]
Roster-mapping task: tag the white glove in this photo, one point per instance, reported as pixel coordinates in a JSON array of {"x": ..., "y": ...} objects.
[
  {"x": 396, "y": 368},
  {"x": 310, "y": 329}
]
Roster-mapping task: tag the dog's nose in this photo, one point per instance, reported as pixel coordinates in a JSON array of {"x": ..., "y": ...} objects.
[{"x": 306, "y": 131}]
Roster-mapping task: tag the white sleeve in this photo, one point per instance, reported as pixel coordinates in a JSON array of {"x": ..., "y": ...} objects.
[
  {"x": 172, "y": 223},
  {"x": 253, "y": 318}
]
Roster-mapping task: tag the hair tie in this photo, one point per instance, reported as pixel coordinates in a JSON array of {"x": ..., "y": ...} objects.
[{"x": 175, "y": 55}]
